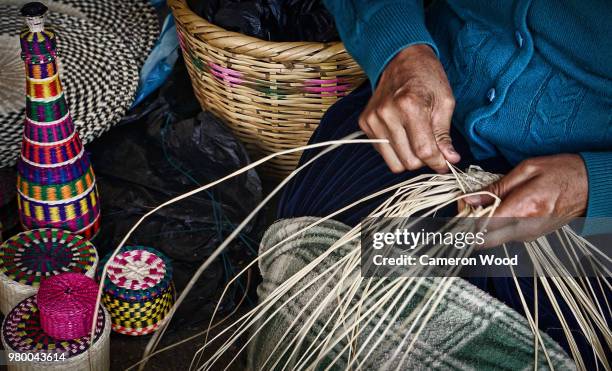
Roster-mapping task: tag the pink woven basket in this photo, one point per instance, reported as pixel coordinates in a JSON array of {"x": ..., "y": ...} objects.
[{"x": 66, "y": 303}]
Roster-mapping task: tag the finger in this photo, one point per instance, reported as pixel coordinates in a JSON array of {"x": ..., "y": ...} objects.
[
  {"x": 498, "y": 237},
  {"x": 445, "y": 145},
  {"x": 460, "y": 205},
  {"x": 422, "y": 141},
  {"x": 364, "y": 126},
  {"x": 391, "y": 119},
  {"x": 502, "y": 187},
  {"x": 385, "y": 150},
  {"x": 516, "y": 203},
  {"x": 441, "y": 122},
  {"x": 519, "y": 230}
]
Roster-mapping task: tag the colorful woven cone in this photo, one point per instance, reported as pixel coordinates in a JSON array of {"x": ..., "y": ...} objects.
[
  {"x": 31, "y": 257},
  {"x": 102, "y": 47},
  {"x": 138, "y": 290},
  {"x": 56, "y": 184}
]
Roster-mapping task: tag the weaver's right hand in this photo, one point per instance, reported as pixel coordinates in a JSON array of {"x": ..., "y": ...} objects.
[{"x": 412, "y": 107}]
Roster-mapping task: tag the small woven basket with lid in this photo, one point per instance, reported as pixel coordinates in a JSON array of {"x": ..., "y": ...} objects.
[
  {"x": 138, "y": 289},
  {"x": 271, "y": 94}
]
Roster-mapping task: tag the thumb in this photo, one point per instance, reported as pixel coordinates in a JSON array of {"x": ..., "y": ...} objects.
[
  {"x": 498, "y": 188},
  {"x": 445, "y": 144},
  {"x": 501, "y": 188},
  {"x": 441, "y": 129}
]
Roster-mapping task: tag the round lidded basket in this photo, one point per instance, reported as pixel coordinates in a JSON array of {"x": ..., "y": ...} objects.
[
  {"x": 30, "y": 257},
  {"x": 271, "y": 94},
  {"x": 22, "y": 333},
  {"x": 138, "y": 290}
]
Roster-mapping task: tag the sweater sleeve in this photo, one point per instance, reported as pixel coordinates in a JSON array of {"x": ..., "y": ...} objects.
[
  {"x": 374, "y": 31},
  {"x": 599, "y": 170}
]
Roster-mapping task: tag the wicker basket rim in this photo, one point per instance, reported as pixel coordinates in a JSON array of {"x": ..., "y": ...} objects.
[{"x": 201, "y": 22}]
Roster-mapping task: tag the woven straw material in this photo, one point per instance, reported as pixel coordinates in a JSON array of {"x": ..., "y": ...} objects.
[
  {"x": 52, "y": 155},
  {"x": 139, "y": 317},
  {"x": 22, "y": 332},
  {"x": 138, "y": 290},
  {"x": 66, "y": 303},
  {"x": 272, "y": 94},
  {"x": 102, "y": 46},
  {"x": 30, "y": 257}
]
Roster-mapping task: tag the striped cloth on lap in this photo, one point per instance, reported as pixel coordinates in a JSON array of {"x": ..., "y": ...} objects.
[{"x": 469, "y": 329}]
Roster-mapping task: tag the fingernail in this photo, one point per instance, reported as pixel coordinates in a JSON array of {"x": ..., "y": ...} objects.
[{"x": 473, "y": 200}]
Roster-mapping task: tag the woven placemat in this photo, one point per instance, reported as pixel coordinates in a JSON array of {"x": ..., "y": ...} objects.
[
  {"x": 101, "y": 47},
  {"x": 32, "y": 256}
]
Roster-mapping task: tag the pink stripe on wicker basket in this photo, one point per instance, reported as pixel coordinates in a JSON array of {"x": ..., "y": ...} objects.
[
  {"x": 327, "y": 89},
  {"x": 66, "y": 303},
  {"x": 224, "y": 70},
  {"x": 323, "y": 81},
  {"x": 226, "y": 74}
]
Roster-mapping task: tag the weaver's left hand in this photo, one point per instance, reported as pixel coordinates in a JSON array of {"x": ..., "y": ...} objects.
[{"x": 538, "y": 196}]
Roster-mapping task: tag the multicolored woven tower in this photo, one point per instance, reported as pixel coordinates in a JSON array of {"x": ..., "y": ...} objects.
[{"x": 56, "y": 183}]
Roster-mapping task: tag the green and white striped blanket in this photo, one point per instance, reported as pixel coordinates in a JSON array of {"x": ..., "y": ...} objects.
[{"x": 469, "y": 330}]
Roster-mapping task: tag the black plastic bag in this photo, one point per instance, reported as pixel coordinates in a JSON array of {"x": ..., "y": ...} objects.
[
  {"x": 8, "y": 202},
  {"x": 309, "y": 20},
  {"x": 249, "y": 18},
  {"x": 274, "y": 20}
]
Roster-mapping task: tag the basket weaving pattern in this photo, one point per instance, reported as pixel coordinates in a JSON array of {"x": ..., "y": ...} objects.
[
  {"x": 30, "y": 257},
  {"x": 22, "y": 332},
  {"x": 67, "y": 305},
  {"x": 271, "y": 94},
  {"x": 138, "y": 290}
]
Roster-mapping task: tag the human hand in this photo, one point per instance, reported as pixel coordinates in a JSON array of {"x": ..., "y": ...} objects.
[
  {"x": 538, "y": 196},
  {"x": 412, "y": 107}
]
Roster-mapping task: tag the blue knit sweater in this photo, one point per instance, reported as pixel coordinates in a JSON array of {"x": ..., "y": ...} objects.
[{"x": 530, "y": 77}]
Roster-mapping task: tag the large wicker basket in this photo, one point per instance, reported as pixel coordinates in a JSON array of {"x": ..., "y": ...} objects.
[{"x": 272, "y": 94}]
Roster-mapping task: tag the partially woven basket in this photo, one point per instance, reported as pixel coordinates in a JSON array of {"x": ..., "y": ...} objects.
[{"x": 271, "y": 94}]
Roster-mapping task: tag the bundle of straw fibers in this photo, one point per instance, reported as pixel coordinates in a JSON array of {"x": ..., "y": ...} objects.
[
  {"x": 356, "y": 300},
  {"x": 317, "y": 311},
  {"x": 319, "y": 326}
]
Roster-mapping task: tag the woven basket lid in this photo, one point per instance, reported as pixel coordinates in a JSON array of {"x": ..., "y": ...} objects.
[
  {"x": 101, "y": 45},
  {"x": 137, "y": 273},
  {"x": 22, "y": 332},
  {"x": 32, "y": 256}
]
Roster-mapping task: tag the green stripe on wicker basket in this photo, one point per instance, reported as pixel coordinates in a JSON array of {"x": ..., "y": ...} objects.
[{"x": 271, "y": 94}]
